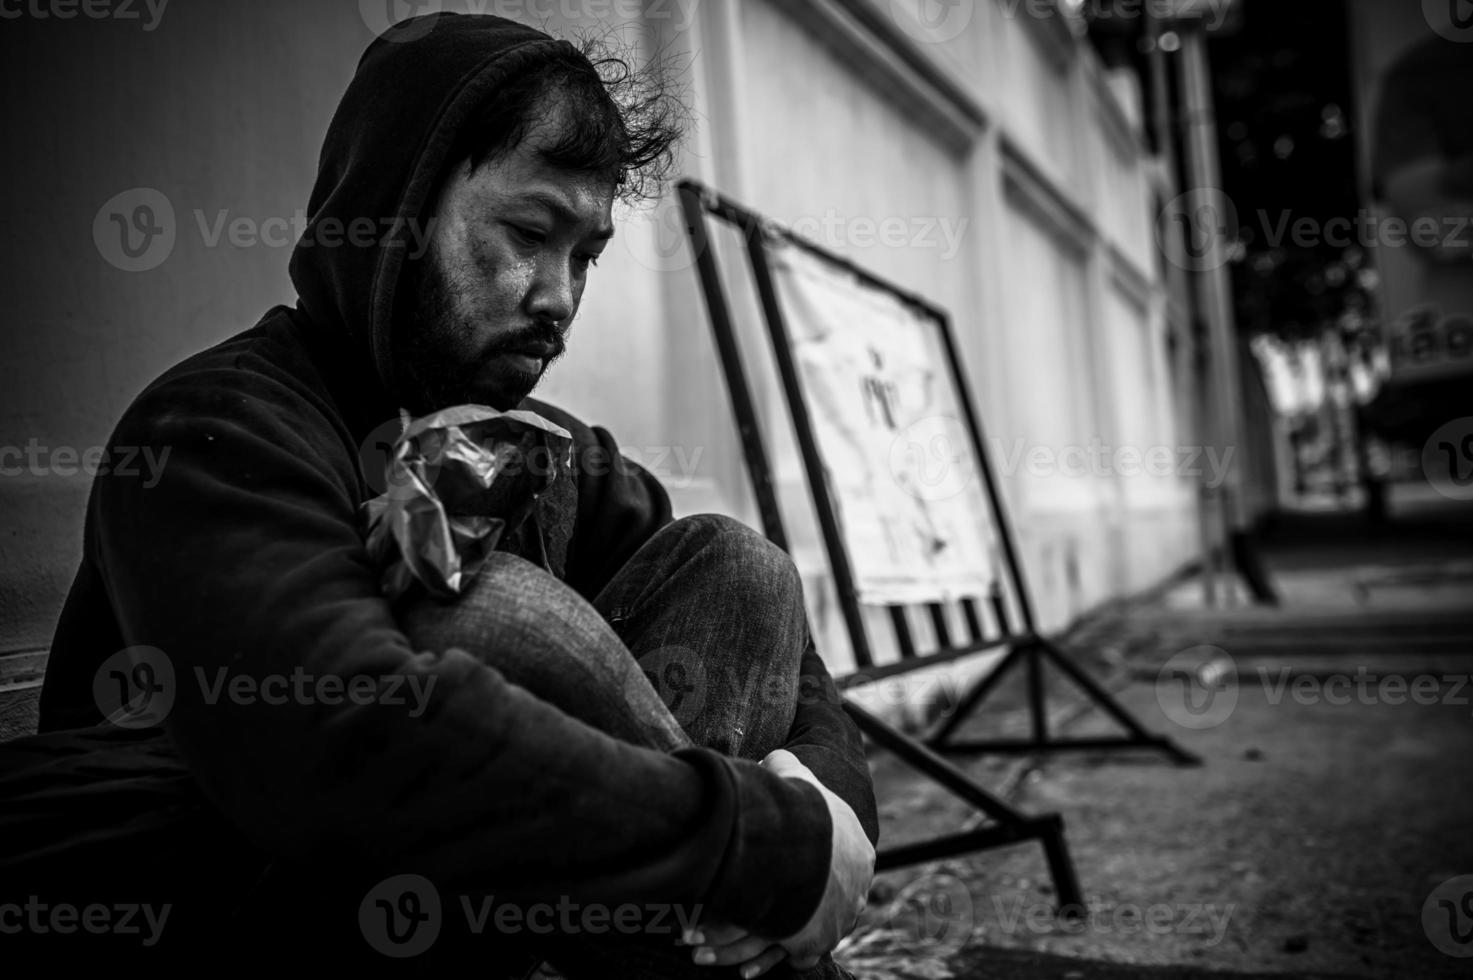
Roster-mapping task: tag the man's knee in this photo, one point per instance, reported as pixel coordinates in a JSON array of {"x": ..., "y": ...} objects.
[
  {"x": 742, "y": 552},
  {"x": 507, "y": 595},
  {"x": 520, "y": 619}
]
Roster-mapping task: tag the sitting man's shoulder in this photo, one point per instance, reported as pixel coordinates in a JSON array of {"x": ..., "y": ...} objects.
[{"x": 260, "y": 384}]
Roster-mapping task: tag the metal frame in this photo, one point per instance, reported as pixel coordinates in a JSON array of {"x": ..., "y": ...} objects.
[{"x": 1024, "y": 646}]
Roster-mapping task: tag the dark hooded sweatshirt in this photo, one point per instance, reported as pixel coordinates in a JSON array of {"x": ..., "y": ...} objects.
[{"x": 248, "y": 554}]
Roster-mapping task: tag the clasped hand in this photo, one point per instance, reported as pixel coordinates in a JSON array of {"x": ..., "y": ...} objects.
[{"x": 851, "y": 869}]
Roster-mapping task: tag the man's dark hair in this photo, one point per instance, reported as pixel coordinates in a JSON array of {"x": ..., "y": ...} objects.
[{"x": 621, "y": 122}]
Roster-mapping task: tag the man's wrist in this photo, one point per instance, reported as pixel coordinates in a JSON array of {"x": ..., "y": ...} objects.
[{"x": 776, "y": 866}]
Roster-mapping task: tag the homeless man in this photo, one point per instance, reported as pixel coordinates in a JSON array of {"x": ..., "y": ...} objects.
[{"x": 545, "y": 766}]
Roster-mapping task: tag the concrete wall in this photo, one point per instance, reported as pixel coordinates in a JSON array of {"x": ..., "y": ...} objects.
[{"x": 1005, "y": 127}]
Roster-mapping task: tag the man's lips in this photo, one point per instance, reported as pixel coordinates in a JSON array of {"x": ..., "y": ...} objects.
[
  {"x": 531, "y": 359},
  {"x": 542, "y": 351}
]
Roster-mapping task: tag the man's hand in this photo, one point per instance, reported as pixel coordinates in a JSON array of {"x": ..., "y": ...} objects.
[{"x": 851, "y": 869}]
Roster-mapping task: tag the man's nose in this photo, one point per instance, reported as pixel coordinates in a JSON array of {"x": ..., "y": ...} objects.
[{"x": 554, "y": 294}]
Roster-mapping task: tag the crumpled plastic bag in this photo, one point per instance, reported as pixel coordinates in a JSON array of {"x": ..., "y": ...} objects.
[{"x": 457, "y": 481}]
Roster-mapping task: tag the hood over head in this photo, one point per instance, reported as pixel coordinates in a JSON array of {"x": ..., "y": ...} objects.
[{"x": 385, "y": 152}]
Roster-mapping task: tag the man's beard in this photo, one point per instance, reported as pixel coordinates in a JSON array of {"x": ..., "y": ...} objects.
[{"x": 430, "y": 373}]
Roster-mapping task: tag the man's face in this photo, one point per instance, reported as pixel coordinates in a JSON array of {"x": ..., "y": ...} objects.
[{"x": 494, "y": 296}]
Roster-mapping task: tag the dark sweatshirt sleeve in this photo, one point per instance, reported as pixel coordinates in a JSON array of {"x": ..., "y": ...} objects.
[{"x": 243, "y": 560}]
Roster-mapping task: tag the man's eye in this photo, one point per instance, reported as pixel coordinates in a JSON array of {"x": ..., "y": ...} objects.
[
  {"x": 587, "y": 259},
  {"x": 529, "y": 235}
]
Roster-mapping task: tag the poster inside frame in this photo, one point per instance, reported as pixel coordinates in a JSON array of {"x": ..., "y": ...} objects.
[{"x": 891, "y": 432}]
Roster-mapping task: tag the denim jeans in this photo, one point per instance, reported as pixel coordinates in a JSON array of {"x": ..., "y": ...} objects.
[{"x": 696, "y": 640}]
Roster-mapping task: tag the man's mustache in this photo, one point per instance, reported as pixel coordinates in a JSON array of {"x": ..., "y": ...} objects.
[{"x": 545, "y": 339}]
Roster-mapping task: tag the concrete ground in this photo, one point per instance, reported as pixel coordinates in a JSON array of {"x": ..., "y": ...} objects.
[{"x": 1335, "y": 798}]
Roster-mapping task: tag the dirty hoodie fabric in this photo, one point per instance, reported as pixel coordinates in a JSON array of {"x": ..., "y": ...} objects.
[{"x": 248, "y": 554}]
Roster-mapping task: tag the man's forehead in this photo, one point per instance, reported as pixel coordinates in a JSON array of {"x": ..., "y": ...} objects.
[{"x": 519, "y": 181}]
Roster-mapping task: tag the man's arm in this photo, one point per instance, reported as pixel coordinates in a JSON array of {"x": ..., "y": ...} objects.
[{"x": 245, "y": 560}]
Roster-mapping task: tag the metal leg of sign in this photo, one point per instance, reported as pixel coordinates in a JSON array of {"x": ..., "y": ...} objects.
[
  {"x": 1034, "y": 653},
  {"x": 1008, "y": 826}
]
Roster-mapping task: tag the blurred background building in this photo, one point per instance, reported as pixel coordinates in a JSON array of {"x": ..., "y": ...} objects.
[{"x": 992, "y": 155}]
